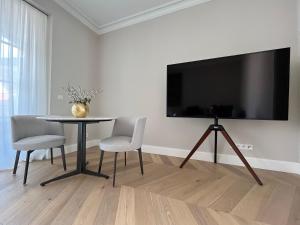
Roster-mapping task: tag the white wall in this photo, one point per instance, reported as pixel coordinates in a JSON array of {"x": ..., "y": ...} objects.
[
  {"x": 132, "y": 70},
  {"x": 74, "y": 61},
  {"x": 298, "y": 57}
]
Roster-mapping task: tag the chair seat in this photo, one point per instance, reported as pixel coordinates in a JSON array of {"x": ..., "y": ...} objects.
[
  {"x": 39, "y": 142},
  {"x": 116, "y": 144}
]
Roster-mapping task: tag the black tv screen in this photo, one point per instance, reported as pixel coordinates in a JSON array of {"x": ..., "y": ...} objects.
[{"x": 247, "y": 86}]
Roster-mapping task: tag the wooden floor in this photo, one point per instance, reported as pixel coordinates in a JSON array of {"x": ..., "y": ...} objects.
[{"x": 201, "y": 193}]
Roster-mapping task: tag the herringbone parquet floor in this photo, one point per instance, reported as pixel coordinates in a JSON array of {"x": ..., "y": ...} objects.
[{"x": 201, "y": 193}]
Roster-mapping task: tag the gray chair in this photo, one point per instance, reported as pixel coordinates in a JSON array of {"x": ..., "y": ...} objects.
[
  {"x": 30, "y": 134},
  {"x": 127, "y": 136}
]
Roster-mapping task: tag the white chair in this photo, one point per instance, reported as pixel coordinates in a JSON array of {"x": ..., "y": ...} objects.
[
  {"x": 30, "y": 134},
  {"x": 127, "y": 136}
]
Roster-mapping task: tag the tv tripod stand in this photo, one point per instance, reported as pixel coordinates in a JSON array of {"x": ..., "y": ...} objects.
[{"x": 216, "y": 127}]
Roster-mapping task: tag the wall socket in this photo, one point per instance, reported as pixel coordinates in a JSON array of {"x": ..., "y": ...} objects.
[
  {"x": 245, "y": 147},
  {"x": 60, "y": 97}
]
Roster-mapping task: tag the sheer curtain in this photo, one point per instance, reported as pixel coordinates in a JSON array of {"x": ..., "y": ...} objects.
[{"x": 23, "y": 69}]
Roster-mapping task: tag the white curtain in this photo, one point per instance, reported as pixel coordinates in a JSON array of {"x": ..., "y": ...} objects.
[{"x": 23, "y": 69}]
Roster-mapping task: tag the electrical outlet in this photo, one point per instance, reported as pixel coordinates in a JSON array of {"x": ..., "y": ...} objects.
[
  {"x": 60, "y": 97},
  {"x": 245, "y": 147}
]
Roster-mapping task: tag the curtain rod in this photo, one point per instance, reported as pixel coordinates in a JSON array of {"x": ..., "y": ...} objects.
[{"x": 32, "y": 5}]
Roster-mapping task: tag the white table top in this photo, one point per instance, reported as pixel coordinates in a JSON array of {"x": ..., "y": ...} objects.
[{"x": 71, "y": 118}]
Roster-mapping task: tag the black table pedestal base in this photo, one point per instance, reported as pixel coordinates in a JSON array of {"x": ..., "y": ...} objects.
[
  {"x": 81, "y": 155},
  {"x": 74, "y": 173}
]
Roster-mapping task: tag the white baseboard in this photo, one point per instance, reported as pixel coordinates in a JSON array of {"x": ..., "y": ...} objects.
[
  {"x": 267, "y": 164},
  {"x": 89, "y": 143},
  {"x": 73, "y": 148}
]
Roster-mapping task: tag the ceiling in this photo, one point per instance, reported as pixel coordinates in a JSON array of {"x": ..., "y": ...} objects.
[{"x": 104, "y": 16}]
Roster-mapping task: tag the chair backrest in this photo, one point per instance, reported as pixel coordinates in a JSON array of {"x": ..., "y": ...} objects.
[
  {"x": 130, "y": 127},
  {"x": 29, "y": 126}
]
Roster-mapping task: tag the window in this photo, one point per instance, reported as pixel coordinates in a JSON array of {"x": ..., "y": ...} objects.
[
  {"x": 23, "y": 74},
  {"x": 8, "y": 51}
]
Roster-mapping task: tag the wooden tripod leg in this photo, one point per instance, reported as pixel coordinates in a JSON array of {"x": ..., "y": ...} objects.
[
  {"x": 201, "y": 140},
  {"x": 240, "y": 155}
]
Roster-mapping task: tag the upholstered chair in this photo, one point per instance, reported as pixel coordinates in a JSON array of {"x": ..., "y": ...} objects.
[
  {"x": 30, "y": 134},
  {"x": 127, "y": 136}
]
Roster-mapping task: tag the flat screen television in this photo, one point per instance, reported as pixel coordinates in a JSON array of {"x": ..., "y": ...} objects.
[{"x": 247, "y": 86}]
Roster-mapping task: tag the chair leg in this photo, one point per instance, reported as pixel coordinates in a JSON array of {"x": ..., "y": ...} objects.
[
  {"x": 26, "y": 166},
  {"x": 141, "y": 160},
  {"x": 115, "y": 168},
  {"x": 51, "y": 155},
  {"x": 16, "y": 162},
  {"x": 125, "y": 159},
  {"x": 63, "y": 156},
  {"x": 101, "y": 160}
]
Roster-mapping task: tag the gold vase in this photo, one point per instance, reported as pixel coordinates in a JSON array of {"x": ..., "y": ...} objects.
[{"x": 80, "y": 110}]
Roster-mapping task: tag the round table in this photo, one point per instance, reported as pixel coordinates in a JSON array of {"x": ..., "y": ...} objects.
[{"x": 81, "y": 144}]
